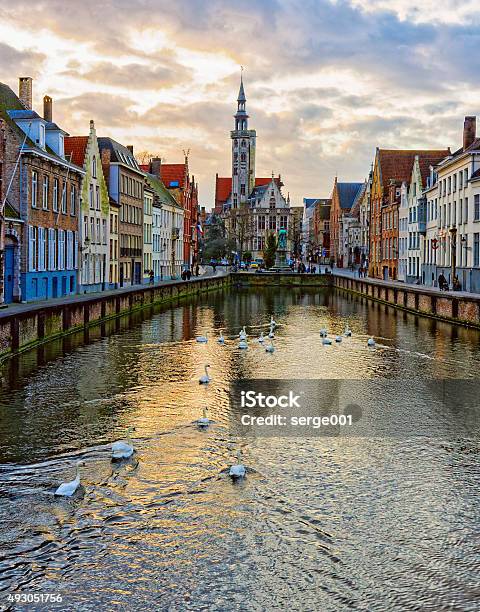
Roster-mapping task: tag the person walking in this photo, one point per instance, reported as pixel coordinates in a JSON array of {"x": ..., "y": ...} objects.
[{"x": 152, "y": 276}]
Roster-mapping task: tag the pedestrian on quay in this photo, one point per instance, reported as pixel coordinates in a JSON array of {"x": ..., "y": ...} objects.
[
  {"x": 188, "y": 274},
  {"x": 197, "y": 270},
  {"x": 442, "y": 282},
  {"x": 152, "y": 276}
]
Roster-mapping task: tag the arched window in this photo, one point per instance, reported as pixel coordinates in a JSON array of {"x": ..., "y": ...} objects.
[
  {"x": 244, "y": 143},
  {"x": 243, "y": 157},
  {"x": 235, "y": 142},
  {"x": 94, "y": 167}
]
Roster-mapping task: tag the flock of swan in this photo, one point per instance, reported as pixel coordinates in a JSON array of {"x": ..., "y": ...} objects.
[{"x": 125, "y": 449}]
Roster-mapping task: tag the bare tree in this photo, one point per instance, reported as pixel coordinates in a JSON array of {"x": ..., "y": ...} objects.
[
  {"x": 143, "y": 157},
  {"x": 241, "y": 227}
]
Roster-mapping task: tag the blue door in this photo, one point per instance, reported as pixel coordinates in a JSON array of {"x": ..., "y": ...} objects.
[{"x": 9, "y": 257}]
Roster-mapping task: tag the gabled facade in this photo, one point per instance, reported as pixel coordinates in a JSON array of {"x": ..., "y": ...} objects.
[
  {"x": 94, "y": 214},
  {"x": 125, "y": 187},
  {"x": 43, "y": 199},
  {"x": 344, "y": 196}
]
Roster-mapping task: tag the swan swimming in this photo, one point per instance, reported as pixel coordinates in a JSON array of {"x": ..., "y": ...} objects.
[
  {"x": 338, "y": 338},
  {"x": 238, "y": 469},
  {"x": 242, "y": 344},
  {"x": 323, "y": 332},
  {"x": 202, "y": 338},
  {"x": 272, "y": 322},
  {"x": 348, "y": 331},
  {"x": 271, "y": 334},
  {"x": 261, "y": 338},
  {"x": 371, "y": 342},
  {"x": 205, "y": 379},
  {"x": 270, "y": 348},
  {"x": 243, "y": 334},
  {"x": 204, "y": 421},
  {"x": 67, "y": 489},
  {"x": 326, "y": 340},
  {"x": 221, "y": 339},
  {"x": 121, "y": 449}
]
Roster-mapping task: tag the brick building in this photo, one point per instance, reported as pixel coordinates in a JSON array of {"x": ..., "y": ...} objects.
[
  {"x": 125, "y": 185},
  {"x": 344, "y": 195},
  {"x": 41, "y": 206},
  {"x": 391, "y": 169}
]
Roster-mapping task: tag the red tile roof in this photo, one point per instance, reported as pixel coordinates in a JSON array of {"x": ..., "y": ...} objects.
[
  {"x": 265, "y": 181},
  {"x": 432, "y": 158},
  {"x": 173, "y": 173},
  {"x": 76, "y": 146},
  {"x": 397, "y": 164},
  {"x": 145, "y": 167},
  {"x": 223, "y": 188}
]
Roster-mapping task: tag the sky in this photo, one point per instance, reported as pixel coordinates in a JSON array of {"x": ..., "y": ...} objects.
[{"x": 327, "y": 81}]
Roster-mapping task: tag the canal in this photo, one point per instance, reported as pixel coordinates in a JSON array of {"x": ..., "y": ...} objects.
[{"x": 320, "y": 523}]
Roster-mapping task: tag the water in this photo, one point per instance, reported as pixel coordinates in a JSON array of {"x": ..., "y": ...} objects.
[{"x": 319, "y": 524}]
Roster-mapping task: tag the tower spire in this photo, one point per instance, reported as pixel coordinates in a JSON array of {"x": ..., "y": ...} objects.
[
  {"x": 241, "y": 91},
  {"x": 241, "y": 117}
]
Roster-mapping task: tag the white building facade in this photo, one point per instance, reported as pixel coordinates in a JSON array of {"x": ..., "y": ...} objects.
[
  {"x": 148, "y": 195},
  {"x": 403, "y": 233}
]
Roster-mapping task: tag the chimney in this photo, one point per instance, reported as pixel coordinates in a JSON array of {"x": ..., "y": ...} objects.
[
  {"x": 47, "y": 108},
  {"x": 155, "y": 165},
  {"x": 130, "y": 148},
  {"x": 25, "y": 91},
  {"x": 469, "y": 131}
]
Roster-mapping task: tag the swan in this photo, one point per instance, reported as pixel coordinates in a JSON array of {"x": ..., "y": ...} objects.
[
  {"x": 243, "y": 334},
  {"x": 202, "y": 338},
  {"x": 371, "y": 342},
  {"x": 205, "y": 379},
  {"x": 221, "y": 339},
  {"x": 326, "y": 340},
  {"x": 123, "y": 450},
  {"x": 271, "y": 334},
  {"x": 261, "y": 338},
  {"x": 270, "y": 348},
  {"x": 338, "y": 338},
  {"x": 238, "y": 469},
  {"x": 67, "y": 489},
  {"x": 272, "y": 322},
  {"x": 323, "y": 332},
  {"x": 348, "y": 331},
  {"x": 242, "y": 344},
  {"x": 204, "y": 421}
]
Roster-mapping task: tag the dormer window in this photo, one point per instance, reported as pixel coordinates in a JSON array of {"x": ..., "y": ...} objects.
[
  {"x": 41, "y": 140},
  {"x": 94, "y": 167}
]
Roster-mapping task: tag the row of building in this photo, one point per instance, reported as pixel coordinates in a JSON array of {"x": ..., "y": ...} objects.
[
  {"x": 416, "y": 217},
  {"x": 80, "y": 214}
]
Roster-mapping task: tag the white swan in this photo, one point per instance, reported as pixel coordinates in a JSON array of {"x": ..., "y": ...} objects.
[
  {"x": 237, "y": 470},
  {"x": 67, "y": 489},
  {"x": 202, "y": 338},
  {"x": 121, "y": 449},
  {"x": 205, "y": 379},
  {"x": 221, "y": 339},
  {"x": 323, "y": 332},
  {"x": 271, "y": 334},
  {"x": 270, "y": 348},
  {"x": 272, "y": 322},
  {"x": 371, "y": 342},
  {"x": 204, "y": 421},
  {"x": 243, "y": 334},
  {"x": 338, "y": 338},
  {"x": 242, "y": 344},
  {"x": 348, "y": 331},
  {"x": 326, "y": 340},
  {"x": 261, "y": 338}
]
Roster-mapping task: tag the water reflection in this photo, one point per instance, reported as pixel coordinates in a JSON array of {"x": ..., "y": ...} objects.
[{"x": 327, "y": 524}]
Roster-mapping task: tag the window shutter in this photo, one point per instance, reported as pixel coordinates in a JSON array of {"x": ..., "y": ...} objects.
[
  {"x": 31, "y": 245},
  {"x": 75, "y": 252}
]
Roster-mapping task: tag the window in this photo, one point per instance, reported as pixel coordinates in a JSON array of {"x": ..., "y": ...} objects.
[
  {"x": 454, "y": 182},
  {"x": 69, "y": 250},
  {"x": 465, "y": 177},
  {"x": 45, "y": 193},
  {"x": 476, "y": 250},
  {"x": 97, "y": 197},
  {"x": 261, "y": 222},
  {"x": 283, "y": 222},
  {"x": 476, "y": 207},
  {"x": 99, "y": 237},
  {"x": 32, "y": 248},
  {"x": 41, "y": 248},
  {"x": 460, "y": 180},
  {"x": 92, "y": 230},
  {"x": 55, "y": 195},
  {"x": 85, "y": 227},
  {"x": 272, "y": 223},
  {"x": 73, "y": 198},
  {"x": 64, "y": 198},
  {"x": 465, "y": 203},
  {"x": 235, "y": 171},
  {"x": 243, "y": 157},
  {"x": 51, "y": 248},
  {"x": 61, "y": 249},
  {"x": 94, "y": 167},
  {"x": 34, "y": 188},
  {"x": 90, "y": 196},
  {"x": 42, "y": 136},
  {"x": 242, "y": 189}
]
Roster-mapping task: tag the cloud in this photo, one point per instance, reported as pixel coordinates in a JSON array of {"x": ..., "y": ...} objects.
[{"x": 19, "y": 62}]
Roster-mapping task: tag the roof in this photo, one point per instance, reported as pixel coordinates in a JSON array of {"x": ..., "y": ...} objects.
[
  {"x": 11, "y": 108},
  {"x": 76, "y": 146},
  {"x": 397, "y": 164},
  {"x": 355, "y": 210},
  {"x": 162, "y": 192},
  {"x": 475, "y": 146},
  {"x": 223, "y": 188},
  {"x": 173, "y": 173},
  {"x": 241, "y": 92},
  {"x": 119, "y": 153},
  {"x": 258, "y": 191},
  {"x": 309, "y": 202},
  {"x": 475, "y": 175},
  {"x": 432, "y": 158},
  {"x": 347, "y": 192}
]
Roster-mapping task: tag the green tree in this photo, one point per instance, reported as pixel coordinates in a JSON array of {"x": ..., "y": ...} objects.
[
  {"x": 247, "y": 257},
  {"x": 270, "y": 250}
]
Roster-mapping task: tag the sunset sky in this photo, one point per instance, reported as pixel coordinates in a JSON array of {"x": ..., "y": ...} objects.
[{"x": 326, "y": 81}]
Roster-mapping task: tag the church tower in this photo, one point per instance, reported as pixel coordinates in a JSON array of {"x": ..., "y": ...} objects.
[{"x": 243, "y": 153}]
